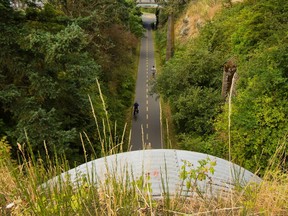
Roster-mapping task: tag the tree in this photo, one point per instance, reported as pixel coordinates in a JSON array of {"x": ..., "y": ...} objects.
[{"x": 46, "y": 78}]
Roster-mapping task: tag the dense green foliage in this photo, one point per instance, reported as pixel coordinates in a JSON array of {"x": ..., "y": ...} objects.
[
  {"x": 49, "y": 61},
  {"x": 254, "y": 33}
]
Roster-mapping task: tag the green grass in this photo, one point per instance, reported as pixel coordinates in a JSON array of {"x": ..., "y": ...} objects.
[
  {"x": 168, "y": 130},
  {"x": 21, "y": 192},
  {"x": 21, "y": 195}
]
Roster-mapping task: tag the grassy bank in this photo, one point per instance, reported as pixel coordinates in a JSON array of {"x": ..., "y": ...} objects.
[{"x": 21, "y": 192}]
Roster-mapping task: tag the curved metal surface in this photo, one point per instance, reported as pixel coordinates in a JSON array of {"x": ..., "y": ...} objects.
[{"x": 163, "y": 168}]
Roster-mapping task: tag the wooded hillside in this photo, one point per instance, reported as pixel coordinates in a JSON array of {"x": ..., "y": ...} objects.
[
  {"x": 249, "y": 38},
  {"x": 50, "y": 59}
]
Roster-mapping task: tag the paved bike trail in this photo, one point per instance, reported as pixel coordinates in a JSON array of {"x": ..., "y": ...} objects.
[{"x": 146, "y": 126}]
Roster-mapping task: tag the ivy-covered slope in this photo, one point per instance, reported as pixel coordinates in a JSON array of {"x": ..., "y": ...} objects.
[{"x": 254, "y": 35}]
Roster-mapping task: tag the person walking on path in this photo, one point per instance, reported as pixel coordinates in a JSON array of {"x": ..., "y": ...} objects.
[{"x": 153, "y": 71}]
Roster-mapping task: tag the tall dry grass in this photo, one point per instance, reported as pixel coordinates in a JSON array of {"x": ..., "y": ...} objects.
[{"x": 21, "y": 192}]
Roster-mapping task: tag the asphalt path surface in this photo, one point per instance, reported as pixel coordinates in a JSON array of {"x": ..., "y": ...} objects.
[{"x": 146, "y": 125}]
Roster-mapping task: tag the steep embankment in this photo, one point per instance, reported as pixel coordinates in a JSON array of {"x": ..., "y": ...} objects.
[{"x": 195, "y": 16}]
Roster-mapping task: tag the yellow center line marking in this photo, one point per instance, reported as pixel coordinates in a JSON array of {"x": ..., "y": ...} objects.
[{"x": 147, "y": 116}]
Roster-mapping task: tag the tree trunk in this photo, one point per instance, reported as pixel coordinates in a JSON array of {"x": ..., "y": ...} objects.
[{"x": 170, "y": 37}]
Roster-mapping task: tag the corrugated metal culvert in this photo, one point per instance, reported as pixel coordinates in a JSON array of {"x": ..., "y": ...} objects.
[{"x": 166, "y": 171}]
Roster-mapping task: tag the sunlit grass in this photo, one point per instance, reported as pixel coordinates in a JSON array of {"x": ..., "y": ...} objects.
[{"x": 21, "y": 192}]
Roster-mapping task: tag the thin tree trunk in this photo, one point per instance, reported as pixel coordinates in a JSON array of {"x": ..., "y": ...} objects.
[{"x": 170, "y": 37}]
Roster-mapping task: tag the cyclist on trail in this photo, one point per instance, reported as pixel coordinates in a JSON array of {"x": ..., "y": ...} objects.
[
  {"x": 136, "y": 108},
  {"x": 153, "y": 71}
]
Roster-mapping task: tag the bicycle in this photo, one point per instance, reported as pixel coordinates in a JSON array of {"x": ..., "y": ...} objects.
[{"x": 136, "y": 111}]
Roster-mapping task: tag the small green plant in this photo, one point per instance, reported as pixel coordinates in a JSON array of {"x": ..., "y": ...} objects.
[
  {"x": 191, "y": 175},
  {"x": 5, "y": 149},
  {"x": 143, "y": 183}
]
